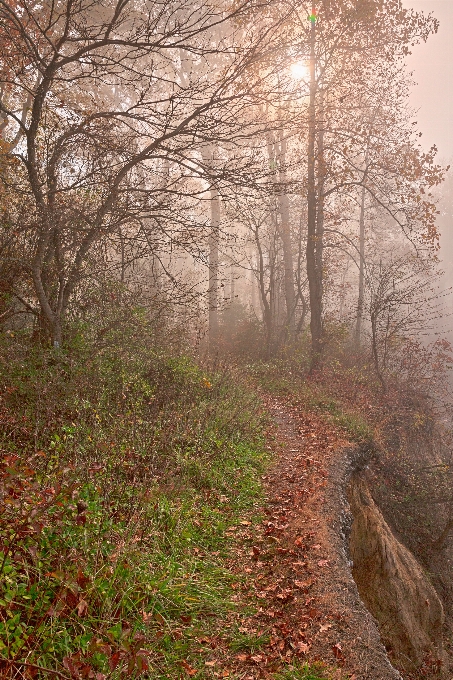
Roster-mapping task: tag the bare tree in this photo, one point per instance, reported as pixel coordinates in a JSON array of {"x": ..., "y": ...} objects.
[{"x": 108, "y": 113}]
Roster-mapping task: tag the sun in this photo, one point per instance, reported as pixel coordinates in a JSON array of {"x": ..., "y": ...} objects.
[{"x": 299, "y": 70}]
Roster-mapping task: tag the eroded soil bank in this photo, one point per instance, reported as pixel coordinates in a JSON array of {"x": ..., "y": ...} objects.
[
  {"x": 394, "y": 586},
  {"x": 307, "y": 551}
]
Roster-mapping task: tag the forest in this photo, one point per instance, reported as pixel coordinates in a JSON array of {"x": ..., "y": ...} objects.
[{"x": 224, "y": 326}]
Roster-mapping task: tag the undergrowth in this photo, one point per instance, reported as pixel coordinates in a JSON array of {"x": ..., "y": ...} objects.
[
  {"x": 304, "y": 672},
  {"x": 331, "y": 393},
  {"x": 122, "y": 474}
]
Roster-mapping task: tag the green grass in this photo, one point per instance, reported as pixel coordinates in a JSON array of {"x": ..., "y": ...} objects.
[
  {"x": 305, "y": 671},
  {"x": 120, "y": 478},
  {"x": 284, "y": 379},
  {"x": 248, "y": 642}
]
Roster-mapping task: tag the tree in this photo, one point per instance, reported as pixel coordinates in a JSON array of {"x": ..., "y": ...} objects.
[
  {"x": 347, "y": 41},
  {"x": 111, "y": 141}
]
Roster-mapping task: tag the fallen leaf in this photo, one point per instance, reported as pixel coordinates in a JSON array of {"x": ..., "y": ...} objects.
[
  {"x": 325, "y": 627},
  {"x": 257, "y": 658},
  {"x": 82, "y": 580},
  {"x": 285, "y": 596},
  {"x": 323, "y": 563},
  {"x": 188, "y": 668},
  {"x": 82, "y": 608},
  {"x": 337, "y": 651},
  {"x": 114, "y": 661}
]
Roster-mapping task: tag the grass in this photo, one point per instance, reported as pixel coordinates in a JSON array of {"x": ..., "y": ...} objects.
[
  {"x": 304, "y": 672},
  {"x": 122, "y": 475},
  {"x": 330, "y": 394}
]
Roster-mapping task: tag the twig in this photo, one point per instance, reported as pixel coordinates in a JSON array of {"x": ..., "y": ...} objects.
[{"x": 33, "y": 665}]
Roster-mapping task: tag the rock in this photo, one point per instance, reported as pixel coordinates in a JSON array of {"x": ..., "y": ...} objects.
[{"x": 392, "y": 584}]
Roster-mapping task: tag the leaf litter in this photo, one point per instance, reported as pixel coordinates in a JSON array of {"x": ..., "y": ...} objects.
[{"x": 306, "y": 605}]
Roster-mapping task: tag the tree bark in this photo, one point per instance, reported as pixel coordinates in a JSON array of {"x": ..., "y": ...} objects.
[
  {"x": 360, "y": 300},
  {"x": 285, "y": 235},
  {"x": 214, "y": 271},
  {"x": 314, "y": 252}
]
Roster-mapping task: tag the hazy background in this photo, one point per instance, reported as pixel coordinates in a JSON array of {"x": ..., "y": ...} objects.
[
  {"x": 432, "y": 66},
  {"x": 432, "y": 97}
]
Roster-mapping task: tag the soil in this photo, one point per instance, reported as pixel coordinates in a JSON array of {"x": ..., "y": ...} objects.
[{"x": 309, "y": 606}]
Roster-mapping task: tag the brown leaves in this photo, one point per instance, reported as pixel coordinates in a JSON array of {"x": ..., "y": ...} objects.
[
  {"x": 292, "y": 614},
  {"x": 256, "y": 552},
  {"x": 188, "y": 668},
  {"x": 301, "y": 647},
  {"x": 338, "y": 654},
  {"x": 82, "y": 607}
]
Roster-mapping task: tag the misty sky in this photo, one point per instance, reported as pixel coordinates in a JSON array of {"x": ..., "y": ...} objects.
[
  {"x": 432, "y": 97},
  {"x": 432, "y": 66}
]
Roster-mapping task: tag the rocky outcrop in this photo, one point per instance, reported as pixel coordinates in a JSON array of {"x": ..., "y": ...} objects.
[{"x": 392, "y": 584}]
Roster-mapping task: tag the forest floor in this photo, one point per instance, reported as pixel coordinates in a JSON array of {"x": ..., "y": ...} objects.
[
  {"x": 309, "y": 608},
  {"x": 171, "y": 544}
]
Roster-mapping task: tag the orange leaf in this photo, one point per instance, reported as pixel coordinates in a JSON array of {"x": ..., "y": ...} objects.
[
  {"x": 188, "y": 668},
  {"x": 257, "y": 658}
]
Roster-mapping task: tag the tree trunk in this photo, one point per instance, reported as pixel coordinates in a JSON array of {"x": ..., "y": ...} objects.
[
  {"x": 272, "y": 312},
  {"x": 52, "y": 318},
  {"x": 314, "y": 261},
  {"x": 360, "y": 300},
  {"x": 285, "y": 235},
  {"x": 214, "y": 271}
]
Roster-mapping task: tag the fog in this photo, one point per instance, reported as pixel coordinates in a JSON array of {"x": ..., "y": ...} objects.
[
  {"x": 431, "y": 98},
  {"x": 432, "y": 67}
]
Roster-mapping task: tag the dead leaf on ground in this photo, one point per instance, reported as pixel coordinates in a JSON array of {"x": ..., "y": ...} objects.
[
  {"x": 82, "y": 608},
  {"x": 257, "y": 658},
  {"x": 188, "y": 668},
  {"x": 325, "y": 627}
]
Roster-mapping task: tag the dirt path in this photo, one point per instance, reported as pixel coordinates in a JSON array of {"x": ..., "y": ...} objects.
[{"x": 310, "y": 607}]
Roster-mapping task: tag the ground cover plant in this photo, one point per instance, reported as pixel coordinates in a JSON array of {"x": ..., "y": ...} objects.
[
  {"x": 119, "y": 479},
  {"x": 124, "y": 476}
]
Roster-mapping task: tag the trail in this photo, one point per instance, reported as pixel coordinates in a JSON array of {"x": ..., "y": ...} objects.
[{"x": 309, "y": 604}]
